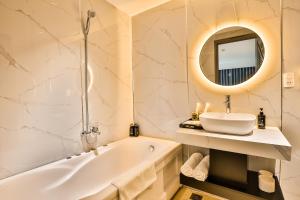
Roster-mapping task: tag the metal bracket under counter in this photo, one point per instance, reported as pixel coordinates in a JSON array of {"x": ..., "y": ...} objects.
[{"x": 268, "y": 143}]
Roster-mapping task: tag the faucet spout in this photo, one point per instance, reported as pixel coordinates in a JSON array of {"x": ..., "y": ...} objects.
[{"x": 228, "y": 104}]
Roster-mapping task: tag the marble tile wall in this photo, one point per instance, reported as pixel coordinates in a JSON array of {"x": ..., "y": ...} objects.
[
  {"x": 110, "y": 97},
  {"x": 41, "y": 51},
  {"x": 207, "y": 16},
  {"x": 158, "y": 44},
  {"x": 159, "y": 69},
  {"x": 290, "y": 173}
]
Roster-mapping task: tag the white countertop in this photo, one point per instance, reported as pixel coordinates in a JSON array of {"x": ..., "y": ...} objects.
[{"x": 269, "y": 142}]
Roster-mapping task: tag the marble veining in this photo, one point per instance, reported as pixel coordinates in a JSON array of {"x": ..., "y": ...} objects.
[
  {"x": 40, "y": 87},
  {"x": 163, "y": 79},
  {"x": 159, "y": 69},
  {"x": 37, "y": 23},
  {"x": 266, "y": 14},
  {"x": 11, "y": 60},
  {"x": 290, "y": 176}
]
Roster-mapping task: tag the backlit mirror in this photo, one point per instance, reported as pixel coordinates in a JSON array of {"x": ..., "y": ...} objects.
[{"x": 232, "y": 56}]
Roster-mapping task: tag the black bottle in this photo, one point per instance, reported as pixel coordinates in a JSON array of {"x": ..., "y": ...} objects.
[
  {"x": 261, "y": 120},
  {"x": 134, "y": 130}
]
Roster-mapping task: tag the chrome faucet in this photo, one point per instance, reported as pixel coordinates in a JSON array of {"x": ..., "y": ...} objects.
[
  {"x": 89, "y": 138},
  {"x": 228, "y": 104}
]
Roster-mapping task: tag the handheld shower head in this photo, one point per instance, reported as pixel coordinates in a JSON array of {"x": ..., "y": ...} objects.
[{"x": 91, "y": 13}]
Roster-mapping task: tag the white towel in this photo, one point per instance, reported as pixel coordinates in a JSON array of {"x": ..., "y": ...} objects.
[
  {"x": 188, "y": 167},
  {"x": 135, "y": 182},
  {"x": 201, "y": 170}
]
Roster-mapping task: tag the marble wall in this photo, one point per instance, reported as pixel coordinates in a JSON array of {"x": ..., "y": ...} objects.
[
  {"x": 41, "y": 51},
  {"x": 290, "y": 173},
  {"x": 205, "y": 17},
  {"x": 159, "y": 61},
  {"x": 159, "y": 69}
]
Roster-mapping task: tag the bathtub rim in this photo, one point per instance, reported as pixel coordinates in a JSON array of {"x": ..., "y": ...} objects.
[
  {"x": 111, "y": 192},
  {"x": 172, "y": 148}
]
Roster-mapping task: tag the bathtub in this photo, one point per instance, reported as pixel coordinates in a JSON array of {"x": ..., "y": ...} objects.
[{"x": 89, "y": 176}]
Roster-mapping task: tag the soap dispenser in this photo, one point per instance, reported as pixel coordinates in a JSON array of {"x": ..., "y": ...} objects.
[{"x": 261, "y": 120}]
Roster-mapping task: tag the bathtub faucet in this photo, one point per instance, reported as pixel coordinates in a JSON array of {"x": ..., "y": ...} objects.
[
  {"x": 95, "y": 129},
  {"x": 228, "y": 104},
  {"x": 90, "y": 139}
]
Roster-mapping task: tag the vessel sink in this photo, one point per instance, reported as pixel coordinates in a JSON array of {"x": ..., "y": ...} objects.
[{"x": 229, "y": 123}]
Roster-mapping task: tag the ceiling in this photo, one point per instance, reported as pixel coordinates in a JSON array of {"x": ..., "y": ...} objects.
[{"x": 134, "y": 7}]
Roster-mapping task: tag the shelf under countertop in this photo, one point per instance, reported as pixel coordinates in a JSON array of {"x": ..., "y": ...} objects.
[{"x": 268, "y": 143}]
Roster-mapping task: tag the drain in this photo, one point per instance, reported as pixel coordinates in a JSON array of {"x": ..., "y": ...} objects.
[{"x": 151, "y": 148}]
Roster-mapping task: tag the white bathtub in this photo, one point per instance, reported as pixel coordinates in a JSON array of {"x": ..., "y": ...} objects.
[{"x": 89, "y": 176}]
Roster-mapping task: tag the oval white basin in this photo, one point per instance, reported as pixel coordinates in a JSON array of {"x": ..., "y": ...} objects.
[{"x": 230, "y": 123}]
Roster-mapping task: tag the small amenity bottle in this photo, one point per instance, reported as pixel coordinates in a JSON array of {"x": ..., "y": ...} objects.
[
  {"x": 134, "y": 130},
  {"x": 261, "y": 120}
]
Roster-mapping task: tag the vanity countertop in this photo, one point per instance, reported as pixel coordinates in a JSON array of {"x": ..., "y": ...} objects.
[{"x": 269, "y": 142}]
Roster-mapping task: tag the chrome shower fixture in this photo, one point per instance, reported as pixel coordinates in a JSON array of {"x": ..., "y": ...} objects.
[
  {"x": 91, "y": 13},
  {"x": 86, "y": 27},
  {"x": 87, "y": 132}
]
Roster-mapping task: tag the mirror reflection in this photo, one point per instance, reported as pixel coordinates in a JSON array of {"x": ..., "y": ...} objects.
[{"x": 231, "y": 56}]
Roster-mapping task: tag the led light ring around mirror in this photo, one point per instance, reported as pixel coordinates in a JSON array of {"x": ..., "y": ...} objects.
[{"x": 255, "y": 79}]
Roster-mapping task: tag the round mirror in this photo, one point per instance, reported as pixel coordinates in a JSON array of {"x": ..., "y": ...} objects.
[{"x": 232, "y": 56}]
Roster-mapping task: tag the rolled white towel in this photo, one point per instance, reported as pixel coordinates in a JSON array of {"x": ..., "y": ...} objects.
[
  {"x": 266, "y": 173},
  {"x": 201, "y": 170},
  {"x": 188, "y": 167},
  {"x": 266, "y": 183}
]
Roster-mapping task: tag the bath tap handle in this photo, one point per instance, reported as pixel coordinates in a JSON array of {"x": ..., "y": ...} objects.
[
  {"x": 227, "y": 99},
  {"x": 95, "y": 129},
  {"x": 228, "y": 104}
]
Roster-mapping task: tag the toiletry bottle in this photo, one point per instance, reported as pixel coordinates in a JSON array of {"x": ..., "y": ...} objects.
[
  {"x": 195, "y": 116},
  {"x": 261, "y": 119},
  {"x": 134, "y": 130}
]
